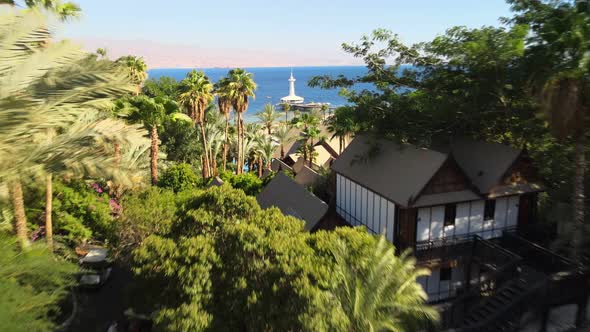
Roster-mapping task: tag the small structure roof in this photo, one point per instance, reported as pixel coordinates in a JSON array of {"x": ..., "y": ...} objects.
[
  {"x": 307, "y": 176},
  {"x": 323, "y": 156},
  {"x": 216, "y": 182},
  {"x": 278, "y": 165},
  {"x": 292, "y": 199}
]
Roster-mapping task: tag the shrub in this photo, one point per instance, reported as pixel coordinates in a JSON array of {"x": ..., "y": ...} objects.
[
  {"x": 89, "y": 205},
  {"x": 248, "y": 182},
  {"x": 179, "y": 177},
  {"x": 145, "y": 213}
]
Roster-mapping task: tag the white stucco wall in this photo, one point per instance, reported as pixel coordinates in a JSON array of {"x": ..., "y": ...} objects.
[
  {"x": 360, "y": 206},
  {"x": 469, "y": 220}
]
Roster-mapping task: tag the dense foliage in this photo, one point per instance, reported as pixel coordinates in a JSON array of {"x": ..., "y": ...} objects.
[
  {"x": 226, "y": 264},
  {"x": 179, "y": 177},
  {"x": 33, "y": 283},
  {"x": 518, "y": 84}
]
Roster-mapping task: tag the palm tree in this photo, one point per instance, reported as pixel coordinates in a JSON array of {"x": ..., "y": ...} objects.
[
  {"x": 325, "y": 108},
  {"x": 225, "y": 104},
  {"x": 63, "y": 10},
  {"x": 342, "y": 125},
  {"x": 561, "y": 69},
  {"x": 286, "y": 107},
  {"x": 240, "y": 87},
  {"x": 283, "y": 137},
  {"x": 306, "y": 120},
  {"x": 267, "y": 117},
  {"x": 136, "y": 68},
  {"x": 102, "y": 52},
  {"x": 266, "y": 149},
  {"x": 152, "y": 112},
  {"x": 308, "y": 136},
  {"x": 44, "y": 86},
  {"x": 384, "y": 295},
  {"x": 196, "y": 92}
]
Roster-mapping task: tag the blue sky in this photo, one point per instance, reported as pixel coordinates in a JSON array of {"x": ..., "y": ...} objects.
[{"x": 178, "y": 33}]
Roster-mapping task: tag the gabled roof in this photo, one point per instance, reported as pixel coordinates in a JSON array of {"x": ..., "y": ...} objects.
[
  {"x": 397, "y": 172},
  {"x": 292, "y": 199},
  {"x": 307, "y": 176},
  {"x": 278, "y": 165},
  {"x": 400, "y": 172},
  {"x": 483, "y": 162}
]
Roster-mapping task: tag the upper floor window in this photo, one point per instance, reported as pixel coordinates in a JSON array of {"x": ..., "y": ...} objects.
[
  {"x": 445, "y": 274},
  {"x": 450, "y": 214},
  {"x": 489, "y": 209}
]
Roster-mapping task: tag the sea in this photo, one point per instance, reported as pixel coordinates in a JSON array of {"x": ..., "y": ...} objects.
[{"x": 273, "y": 83}]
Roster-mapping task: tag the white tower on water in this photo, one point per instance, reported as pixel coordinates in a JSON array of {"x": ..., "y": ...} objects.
[{"x": 292, "y": 98}]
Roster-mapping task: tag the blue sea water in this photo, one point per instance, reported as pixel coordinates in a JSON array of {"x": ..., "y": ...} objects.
[{"x": 273, "y": 83}]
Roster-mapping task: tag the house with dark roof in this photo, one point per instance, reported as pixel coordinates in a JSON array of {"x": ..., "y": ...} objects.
[
  {"x": 293, "y": 199},
  {"x": 462, "y": 208}
]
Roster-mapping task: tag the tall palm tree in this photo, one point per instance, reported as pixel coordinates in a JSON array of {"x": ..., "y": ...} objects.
[
  {"x": 152, "y": 112},
  {"x": 196, "y": 92},
  {"x": 43, "y": 85},
  {"x": 63, "y": 10},
  {"x": 325, "y": 108},
  {"x": 384, "y": 295},
  {"x": 268, "y": 116},
  {"x": 266, "y": 149},
  {"x": 225, "y": 104},
  {"x": 559, "y": 54},
  {"x": 310, "y": 136},
  {"x": 241, "y": 87},
  {"x": 136, "y": 68},
  {"x": 283, "y": 137},
  {"x": 102, "y": 52},
  {"x": 341, "y": 125},
  {"x": 286, "y": 108}
]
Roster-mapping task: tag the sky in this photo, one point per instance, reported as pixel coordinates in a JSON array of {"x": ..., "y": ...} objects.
[{"x": 263, "y": 33}]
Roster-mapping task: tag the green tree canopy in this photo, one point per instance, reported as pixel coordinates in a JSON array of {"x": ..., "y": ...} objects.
[{"x": 226, "y": 264}]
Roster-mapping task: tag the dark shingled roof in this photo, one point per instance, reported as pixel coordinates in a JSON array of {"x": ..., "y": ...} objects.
[
  {"x": 483, "y": 162},
  {"x": 307, "y": 176},
  {"x": 397, "y": 172},
  {"x": 292, "y": 199}
]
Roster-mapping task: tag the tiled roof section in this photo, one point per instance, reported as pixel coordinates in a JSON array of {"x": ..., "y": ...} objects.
[{"x": 293, "y": 199}]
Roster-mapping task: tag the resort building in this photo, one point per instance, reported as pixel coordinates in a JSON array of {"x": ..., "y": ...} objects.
[{"x": 464, "y": 208}]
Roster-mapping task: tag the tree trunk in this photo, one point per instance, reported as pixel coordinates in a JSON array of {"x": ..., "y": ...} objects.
[
  {"x": 269, "y": 130},
  {"x": 49, "y": 210},
  {"x": 311, "y": 153},
  {"x": 240, "y": 165},
  {"x": 20, "y": 219},
  {"x": 117, "y": 154},
  {"x": 225, "y": 142},
  {"x": 286, "y": 117},
  {"x": 260, "y": 165},
  {"x": 206, "y": 162},
  {"x": 282, "y": 151},
  {"x": 154, "y": 155},
  {"x": 579, "y": 198}
]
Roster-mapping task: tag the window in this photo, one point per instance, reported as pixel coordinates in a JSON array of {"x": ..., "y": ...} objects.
[
  {"x": 489, "y": 209},
  {"x": 450, "y": 214},
  {"x": 445, "y": 274}
]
